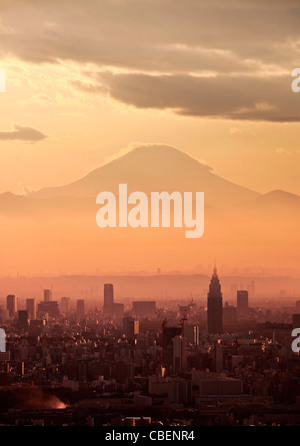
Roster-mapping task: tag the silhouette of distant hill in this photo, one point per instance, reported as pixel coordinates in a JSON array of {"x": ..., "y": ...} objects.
[
  {"x": 279, "y": 197},
  {"x": 56, "y": 226},
  {"x": 154, "y": 168}
]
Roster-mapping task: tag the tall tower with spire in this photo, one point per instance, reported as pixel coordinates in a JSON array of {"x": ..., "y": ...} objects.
[{"x": 214, "y": 305}]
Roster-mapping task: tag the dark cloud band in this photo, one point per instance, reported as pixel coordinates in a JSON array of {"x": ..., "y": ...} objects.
[
  {"x": 21, "y": 133},
  {"x": 240, "y": 98}
]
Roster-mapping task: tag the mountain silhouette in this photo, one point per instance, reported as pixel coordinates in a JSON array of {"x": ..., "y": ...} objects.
[
  {"x": 267, "y": 205},
  {"x": 277, "y": 197},
  {"x": 56, "y": 226},
  {"x": 154, "y": 168}
]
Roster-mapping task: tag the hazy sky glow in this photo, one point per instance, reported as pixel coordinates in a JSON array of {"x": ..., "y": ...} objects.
[{"x": 87, "y": 81}]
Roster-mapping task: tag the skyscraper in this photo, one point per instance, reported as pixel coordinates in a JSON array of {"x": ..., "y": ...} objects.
[
  {"x": 130, "y": 327},
  {"x": 23, "y": 319},
  {"x": 229, "y": 314},
  {"x": 191, "y": 334},
  {"x": 108, "y": 303},
  {"x": 65, "y": 305},
  {"x": 31, "y": 308},
  {"x": 217, "y": 352},
  {"x": 242, "y": 299},
  {"x": 47, "y": 295},
  {"x": 179, "y": 345},
  {"x": 167, "y": 342},
  {"x": 50, "y": 307},
  {"x": 11, "y": 304},
  {"x": 214, "y": 305},
  {"x": 80, "y": 308}
]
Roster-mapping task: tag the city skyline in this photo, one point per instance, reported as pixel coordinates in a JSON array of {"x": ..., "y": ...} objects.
[
  {"x": 146, "y": 359},
  {"x": 149, "y": 216}
]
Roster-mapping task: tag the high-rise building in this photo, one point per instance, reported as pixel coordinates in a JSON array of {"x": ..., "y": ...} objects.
[
  {"x": 110, "y": 308},
  {"x": 31, "y": 308},
  {"x": 191, "y": 334},
  {"x": 217, "y": 352},
  {"x": 23, "y": 318},
  {"x": 80, "y": 308},
  {"x": 179, "y": 391},
  {"x": 47, "y": 295},
  {"x": 130, "y": 327},
  {"x": 214, "y": 305},
  {"x": 167, "y": 340},
  {"x": 229, "y": 314},
  {"x": 179, "y": 348},
  {"x": 108, "y": 303},
  {"x": 11, "y": 304},
  {"x": 65, "y": 305},
  {"x": 242, "y": 299},
  {"x": 296, "y": 320},
  {"x": 50, "y": 307}
]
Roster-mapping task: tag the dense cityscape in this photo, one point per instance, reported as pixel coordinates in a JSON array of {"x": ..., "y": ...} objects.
[{"x": 150, "y": 363}]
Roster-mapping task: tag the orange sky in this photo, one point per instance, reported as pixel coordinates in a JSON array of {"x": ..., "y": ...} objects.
[
  {"x": 85, "y": 84},
  {"x": 59, "y": 57}
]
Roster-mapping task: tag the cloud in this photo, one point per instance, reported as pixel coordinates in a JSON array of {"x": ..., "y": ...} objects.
[
  {"x": 159, "y": 35},
  {"x": 25, "y": 190},
  {"x": 87, "y": 87},
  {"x": 21, "y": 133},
  {"x": 219, "y": 59},
  {"x": 226, "y": 97}
]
